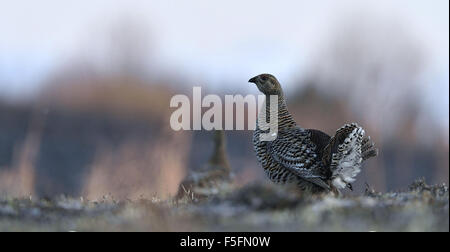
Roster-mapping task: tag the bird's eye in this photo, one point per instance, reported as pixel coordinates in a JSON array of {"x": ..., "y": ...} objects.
[{"x": 264, "y": 78}]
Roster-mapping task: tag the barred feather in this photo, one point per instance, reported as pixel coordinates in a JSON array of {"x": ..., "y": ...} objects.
[{"x": 310, "y": 158}]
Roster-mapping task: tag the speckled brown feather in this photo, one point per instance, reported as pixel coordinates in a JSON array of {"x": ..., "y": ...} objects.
[{"x": 214, "y": 175}]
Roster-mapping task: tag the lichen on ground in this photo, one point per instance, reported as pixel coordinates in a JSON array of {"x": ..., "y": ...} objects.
[{"x": 255, "y": 207}]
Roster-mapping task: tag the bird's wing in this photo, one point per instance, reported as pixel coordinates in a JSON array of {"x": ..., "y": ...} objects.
[
  {"x": 320, "y": 139},
  {"x": 294, "y": 150}
]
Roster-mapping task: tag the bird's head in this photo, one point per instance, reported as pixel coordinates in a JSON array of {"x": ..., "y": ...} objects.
[{"x": 267, "y": 84}]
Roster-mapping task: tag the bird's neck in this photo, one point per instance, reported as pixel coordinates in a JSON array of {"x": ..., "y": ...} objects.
[
  {"x": 285, "y": 119},
  {"x": 219, "y": 156}
]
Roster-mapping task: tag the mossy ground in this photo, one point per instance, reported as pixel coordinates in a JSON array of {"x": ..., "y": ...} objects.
[{"x": 255, "y": 207}]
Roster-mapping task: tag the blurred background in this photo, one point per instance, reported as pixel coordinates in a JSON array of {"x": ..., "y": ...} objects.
[{"x": 85, "y": 87}]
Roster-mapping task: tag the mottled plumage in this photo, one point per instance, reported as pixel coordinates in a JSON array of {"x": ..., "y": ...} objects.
[
  {"x": 212, "y": 178},
  {"x": 307, "y": 157}
]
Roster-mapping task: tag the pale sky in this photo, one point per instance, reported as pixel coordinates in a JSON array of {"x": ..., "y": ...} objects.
[{"x": 211, "y": 42}]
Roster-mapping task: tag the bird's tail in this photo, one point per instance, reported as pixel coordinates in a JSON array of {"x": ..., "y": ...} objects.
[
  {"x": 351, "y": 147},
  {"x": 368, "y": 149}
]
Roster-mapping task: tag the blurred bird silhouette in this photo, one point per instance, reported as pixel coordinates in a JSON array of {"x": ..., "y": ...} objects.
[
  {"x": 213, "y": 178},
  {"x": 308, "y": 158}
]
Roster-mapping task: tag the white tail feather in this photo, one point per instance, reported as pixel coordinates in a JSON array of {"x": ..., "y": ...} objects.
[{"x": 346, "y": 163}]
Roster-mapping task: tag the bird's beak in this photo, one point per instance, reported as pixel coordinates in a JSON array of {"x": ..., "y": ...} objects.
[{"x": 253, "y": 80}]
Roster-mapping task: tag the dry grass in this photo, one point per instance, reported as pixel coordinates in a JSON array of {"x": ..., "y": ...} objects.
[
  {"x": 139, "y": 170},
  {"x": 18, "y": 180}
]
